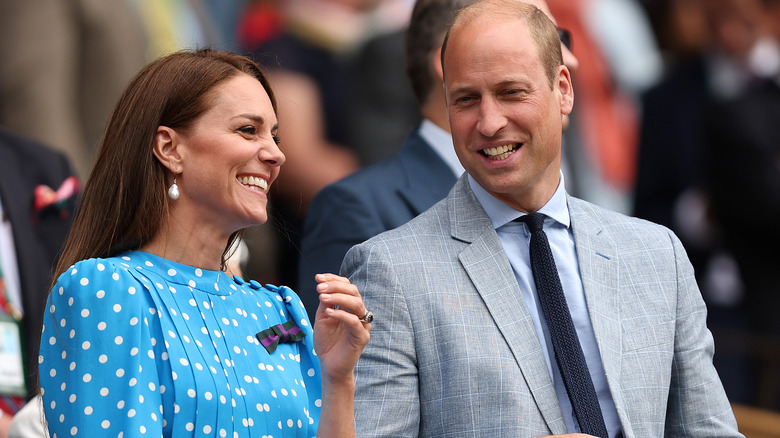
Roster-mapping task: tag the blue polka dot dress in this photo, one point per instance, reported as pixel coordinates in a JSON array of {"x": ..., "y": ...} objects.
[{"x": 139, "y": 346}]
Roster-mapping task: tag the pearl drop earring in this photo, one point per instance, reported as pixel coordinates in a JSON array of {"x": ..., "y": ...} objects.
[{"x": 173, "y": 190}]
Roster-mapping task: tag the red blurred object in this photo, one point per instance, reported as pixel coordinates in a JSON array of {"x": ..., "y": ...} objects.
[{"x": 260, "y": 23}]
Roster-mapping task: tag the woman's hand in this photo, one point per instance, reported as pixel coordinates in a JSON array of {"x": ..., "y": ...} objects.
[{"x": 339, "y": 335}]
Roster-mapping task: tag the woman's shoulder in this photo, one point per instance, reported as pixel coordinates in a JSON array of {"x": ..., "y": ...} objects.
[
  {"x": 95, "y": 267},
  {"x": 99, "y": 263},
  {"x": 97, "y": 277}
]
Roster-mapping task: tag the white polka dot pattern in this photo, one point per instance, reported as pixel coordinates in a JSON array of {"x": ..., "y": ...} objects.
[{"x": 139, "y": 346}]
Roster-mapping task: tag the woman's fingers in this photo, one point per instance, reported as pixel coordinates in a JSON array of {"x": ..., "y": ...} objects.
[
  {"x": 327, "y": 281},
  {"x": 342, "y": 300},
  {"x": 339, "y": 292},
  {"x": 349, "y": 319}
]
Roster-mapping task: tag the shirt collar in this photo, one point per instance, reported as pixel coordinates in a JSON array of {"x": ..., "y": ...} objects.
[
  {"x": 441, "y": 142},
  {"x": 501, "y": 214}
]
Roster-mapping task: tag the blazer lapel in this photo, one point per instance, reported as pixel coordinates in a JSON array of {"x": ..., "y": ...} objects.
[
  {"x": 599, "y": 265},
  {"x": 428, "y": 178},
  {"x": 488, "y": 268}
]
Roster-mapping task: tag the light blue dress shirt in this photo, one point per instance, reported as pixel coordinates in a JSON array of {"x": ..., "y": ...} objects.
[
  {"x": 515, "y": 239},
  {"x": 441, "y": 142}
]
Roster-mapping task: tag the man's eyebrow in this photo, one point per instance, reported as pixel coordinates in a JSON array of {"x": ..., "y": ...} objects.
[
  {"x": 460, "y": 90},
  {"x": 513, "y": 82}
]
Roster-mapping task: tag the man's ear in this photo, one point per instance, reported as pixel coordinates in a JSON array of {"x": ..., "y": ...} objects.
[
  {"x": 566, "y": 90},
  {"x": 166, "y": 149}
]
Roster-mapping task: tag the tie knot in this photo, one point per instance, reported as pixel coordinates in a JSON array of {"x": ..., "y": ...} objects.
[{"x": 535, "y": 221}]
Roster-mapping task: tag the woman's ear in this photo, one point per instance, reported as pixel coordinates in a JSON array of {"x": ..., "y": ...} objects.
[{"x": 166, "y": 142}]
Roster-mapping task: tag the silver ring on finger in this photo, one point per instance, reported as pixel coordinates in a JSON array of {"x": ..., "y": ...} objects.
[{"x": 367, "y": 317}]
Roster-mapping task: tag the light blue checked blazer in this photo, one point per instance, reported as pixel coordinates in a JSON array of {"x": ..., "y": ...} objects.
[{"x": 453, "y": 351}]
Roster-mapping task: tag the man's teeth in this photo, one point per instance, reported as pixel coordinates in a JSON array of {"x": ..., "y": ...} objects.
[
  {"x": 500, "y": 152},
  {"x": 254, "y": 183}
]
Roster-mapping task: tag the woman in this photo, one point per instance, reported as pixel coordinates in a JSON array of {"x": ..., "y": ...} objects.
[{"x": 145, "y": 333}]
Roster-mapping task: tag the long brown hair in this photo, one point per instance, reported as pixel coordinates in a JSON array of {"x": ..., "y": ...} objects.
[{"x": 124, "y": 204}]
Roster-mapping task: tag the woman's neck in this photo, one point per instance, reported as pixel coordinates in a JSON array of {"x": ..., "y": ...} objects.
[{"x": 193, "y": 247}]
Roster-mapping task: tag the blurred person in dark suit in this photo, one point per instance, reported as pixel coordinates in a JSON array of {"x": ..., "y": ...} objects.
[
  {"x": 744, "y": 186},
  {"x": 384, "y": 108},
  {"x": 745, "y": 196},
  {"x": 38, "y": 195},
  {"x": 704, "y": 66}
]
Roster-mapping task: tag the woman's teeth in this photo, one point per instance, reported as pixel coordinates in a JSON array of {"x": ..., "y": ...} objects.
[{"x": 254, "y": 183}]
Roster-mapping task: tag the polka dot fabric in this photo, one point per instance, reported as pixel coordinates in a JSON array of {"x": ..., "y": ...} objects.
[{"x": 139, "y": 346}]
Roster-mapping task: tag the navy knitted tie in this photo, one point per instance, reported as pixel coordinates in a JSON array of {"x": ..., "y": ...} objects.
[{"x": 568, "y": 353}]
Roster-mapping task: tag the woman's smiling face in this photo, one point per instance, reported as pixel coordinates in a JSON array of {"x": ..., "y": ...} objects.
[{"x": 230, "y": 156}]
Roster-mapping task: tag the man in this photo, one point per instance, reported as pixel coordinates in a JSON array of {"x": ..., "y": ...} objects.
[
  {"x": 393, "y": 191},
  {"x": 37, "y": 198},
  {"x": 459, "y": 347}
]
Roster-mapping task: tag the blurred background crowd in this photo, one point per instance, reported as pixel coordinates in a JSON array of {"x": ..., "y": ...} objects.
[{"x": 676, "y": 120}]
